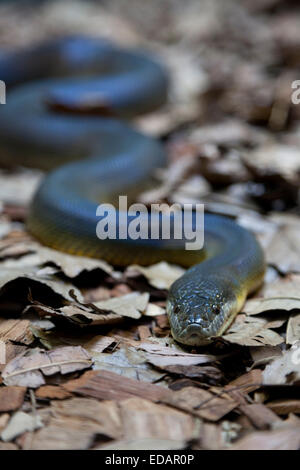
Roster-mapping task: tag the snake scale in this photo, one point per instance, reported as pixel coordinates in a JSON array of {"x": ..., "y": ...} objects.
[{"x": 68, "y": 102}]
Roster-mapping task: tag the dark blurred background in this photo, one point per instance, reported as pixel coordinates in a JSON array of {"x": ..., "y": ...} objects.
[{"x": 231, "y": 63}]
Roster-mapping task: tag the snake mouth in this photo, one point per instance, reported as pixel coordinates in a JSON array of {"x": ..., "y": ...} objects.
[{"x": 193, "y": 335}]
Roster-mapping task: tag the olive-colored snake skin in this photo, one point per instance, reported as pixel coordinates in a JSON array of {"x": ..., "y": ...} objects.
[{"x": 69, "y": 111}]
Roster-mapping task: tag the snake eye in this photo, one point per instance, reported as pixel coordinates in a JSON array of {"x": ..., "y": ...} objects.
[
  {"x": 176, "y": 309},
  {"x": 216, "y": 310}
]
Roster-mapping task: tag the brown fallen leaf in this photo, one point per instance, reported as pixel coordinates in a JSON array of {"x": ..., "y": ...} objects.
[
  {"x": 28, "y": 369},
  {"x": 162, "y": 356},
  {"x": 53, "y": 392},
  {"x": 70, "y": 265},
  {"x": 206, "y": 374},
  {"x": 143, "y": 419},
  {"x": 211, "y": 437},
  {"x": 131, "y": 305},
  {"x": 105, "y": 385},
  {"x": 73, "y": 424},
  {"x": 284, "y": 406},
  {"x": 275, "y": 159},
  {"x": 160, "y": 275},
  {"x": 16, "y": 330},
  {"x": 128, "y": 362},
  {"x": 142, "y": 444},
  {"x": 4, "y": 418},
  {"x": 247, "y": 382},
  {"x": 11, "y": 398},
  {"x": 103, "y": 416},
  {"x": 260, "y": 305},
  {"x": 201, "y": 403},
  {"x": 293, "y": 329},
  {"x": 19, "y": 423},
  {"x": 104, "y": 312},
  {"x": 98, "y": 343},
  {"x": 285, "y": 369},
  {"x": 260, "y": 415},
  {"x": 261, "y": 356},
  {"x": 249, "y": 331},
  {"x": 283, "y": 287},
  {"x": 279, "y": 439},
  {"x": 10, "y": 350},
  {"x": 32, "y": 279},
  {"x": 8, "y": 446},
  {"x": 61, "y": 434},
  {"x": 77, "y": 313},
  {"x": 283, "y": 250},
  {"x": 144, "y": 332}
]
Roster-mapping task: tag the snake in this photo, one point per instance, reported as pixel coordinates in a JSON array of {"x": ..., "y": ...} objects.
[{"x": 67, "y": 111}]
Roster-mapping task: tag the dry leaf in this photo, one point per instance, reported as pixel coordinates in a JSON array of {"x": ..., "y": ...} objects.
[
  {"x": 131, "y": 305},
  {"x": 201, "y": 403},
  {"x": 248, "y": 331},
  {"x": 31, "y": 277},
  {"x": 127, "y": 362},
  {"x": 260, "y": 305},
  {"x": 74, "y": 424},
  {"x": 279, "y": 439},
  {"x": 20, "y": 423},
  {"x": 105, "y": 385},
  {"x": 284, "y": 406},
  {"x": 52, "y": 392},
  {"x": 264, "y": 355},
  {"x": 275, "y": 159},
  {"x": 293, "y": 329},
  {"x": 260, "y": 416},
  {"x": 11, "y": 398},
  {"x": 283, "y": 251},
  {"x": 285, "y": 369},
  {"x": 143, "y": 419},
  {"x": 160, "y": 275},
  {"x": 98, "y": 343},
  {"x": 16, "y": 330},
  {"x": 247, "y": 382},
  {"x": 70, "y": 265},
  {"x": 28, "y": 369},
  {"x": 142, "y": 444},
  {"x": 162, "y": 356}
]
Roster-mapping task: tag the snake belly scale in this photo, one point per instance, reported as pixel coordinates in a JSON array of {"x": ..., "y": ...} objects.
[{"x": 65, "y": 110}]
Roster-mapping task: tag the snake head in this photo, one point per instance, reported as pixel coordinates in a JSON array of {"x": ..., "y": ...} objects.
[{"x": 200, "y": 310}]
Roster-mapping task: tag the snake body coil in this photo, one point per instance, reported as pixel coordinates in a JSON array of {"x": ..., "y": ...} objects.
[{"x": 73, "y": 115}]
